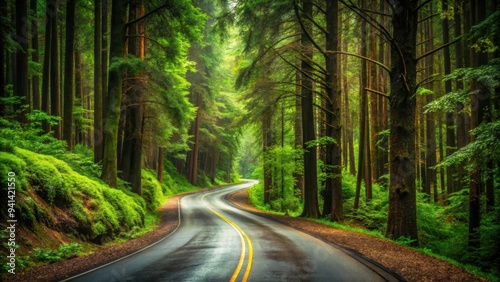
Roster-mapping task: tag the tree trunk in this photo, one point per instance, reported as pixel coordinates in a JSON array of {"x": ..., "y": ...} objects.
[
  {"x": 430, "y": 150},
  {"x": 98, "y": 104},
  {"x": 79, "y": 127},
  {"x": 267, "y": 141},
  {"x": 35, "y": 57},
  {"x": 55, "y": 93},
  {"x": 161, "y": 159},
  {"x": 297, "y": 175},
  {"x": 333, "y": 115},
  {"x": 402, "y": 216},
  {"x": 363, "y": 118},
  {"x": 3, "y": 28},
  {"x": 69, "y": 74},
  {"x": 113, "y": 101},
  {"x": 308, "y": 126},
  {"x": 46, "y": 66},
  {"x": 21, "y": 81},
  {"x": 450, "y": 125}
]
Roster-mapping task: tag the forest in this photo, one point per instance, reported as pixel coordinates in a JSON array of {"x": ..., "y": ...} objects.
[{"x": 377, "y": 116}]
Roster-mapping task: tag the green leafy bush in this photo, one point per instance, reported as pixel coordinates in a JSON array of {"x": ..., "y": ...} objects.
[{"x": 65, "y": 251}]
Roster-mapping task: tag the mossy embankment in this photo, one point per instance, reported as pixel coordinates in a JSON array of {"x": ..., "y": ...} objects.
[{"x": 61, "y": 213}]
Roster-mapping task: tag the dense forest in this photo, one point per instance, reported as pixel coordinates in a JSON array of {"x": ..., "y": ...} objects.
[{"x": 381, "y": 116}]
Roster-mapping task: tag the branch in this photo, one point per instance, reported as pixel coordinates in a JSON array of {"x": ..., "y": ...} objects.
[
  {"x": 147, "y": 14},
  {"x": 296, "y": 9},
  {"x": 428, "y": 17},
  {"x": 427, "y": 80},
  {"x": 149, "y": 39},
  {"x": 439, "y": 48},
  {"x": 423, "y": 4},
  {"x": 376, "y": 13},
  {"x": 300, "y": 70},
  {"x": 377, "y": 92},
  {"x": 364, "y": 58},
  {"x": 369, "y": 19}
]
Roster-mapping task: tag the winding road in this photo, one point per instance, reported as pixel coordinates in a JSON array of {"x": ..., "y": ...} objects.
[{"x": 216, "y": 241}]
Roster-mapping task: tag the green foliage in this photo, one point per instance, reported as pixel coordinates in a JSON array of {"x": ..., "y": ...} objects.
[
  {"x": 151, "y": 190},
  {"x": 46, "y": 177},
  {"x": 11, "y": 163},
  {"x": 46, "y": 255},
  {"x": 484, "y": 34},
  {"x": 65, "y": 251},
  {"x": 30, "y": 135}
]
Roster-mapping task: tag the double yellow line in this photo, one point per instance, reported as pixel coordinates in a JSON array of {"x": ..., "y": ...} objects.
[{"x": 242, "y": 236}]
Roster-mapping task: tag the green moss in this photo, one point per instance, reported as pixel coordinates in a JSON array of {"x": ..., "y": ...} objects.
[
  {"x": 127, "y": 210},
  {"x": 79, "y": 212},
  {"x": 151, "y": 190},
  {"x": 46, "y": 177},
  {"x": 12, "y": 163}
]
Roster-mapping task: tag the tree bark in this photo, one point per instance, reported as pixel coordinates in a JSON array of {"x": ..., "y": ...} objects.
[
  {"x": 113, "y": 101},
  {"x": 21, "y": 81},
  {"x": 3, "y": 29},
  {"x": 450, "y": 124},
  {"x": 333, "y": 114},
  {"x": 69, "y": 67},
  {"x": 402, "y": 216},
  {"x": 308, "y": 126},
  {"x": 35, "y": 57},
  {"x": 98, "y": 104},
  {"x": 161, "y": 161},
  {"x": 55, "y": 94},
  {"x": 363, "y": 118}
]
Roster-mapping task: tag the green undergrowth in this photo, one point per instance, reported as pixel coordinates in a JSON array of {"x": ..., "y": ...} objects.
[
  {"x": 442, "y": 229},
  {"x": 76, "y": 203}
]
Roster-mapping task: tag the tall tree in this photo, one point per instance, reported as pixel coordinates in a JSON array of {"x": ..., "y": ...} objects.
[
  {"x": 21, "y": 81},
  {"x": 114, "y": 97},
  {"x": 98, "y": 96},
  {"x": 55, "y": 91},
  {"x": 308, "y": 131},
  {"x": 402, "y": 216},
  {"x": 450, "y": 124},
  {"x": 69, "y": 66},
  {"x": 35, "y": 57},
  {"x": 333, "y": 113}
]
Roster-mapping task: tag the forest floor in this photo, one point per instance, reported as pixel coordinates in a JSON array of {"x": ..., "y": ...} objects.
[{"x": 407, "y": 263}]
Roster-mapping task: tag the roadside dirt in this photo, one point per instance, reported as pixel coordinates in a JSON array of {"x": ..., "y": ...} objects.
[{"x": 409, "y": 264}]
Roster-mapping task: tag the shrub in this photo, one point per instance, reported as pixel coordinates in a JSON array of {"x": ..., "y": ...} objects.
[{"x": 151, "y": 190}]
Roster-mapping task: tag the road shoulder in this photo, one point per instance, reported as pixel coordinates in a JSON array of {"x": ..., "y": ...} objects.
[{"x": 407, "y": 263}]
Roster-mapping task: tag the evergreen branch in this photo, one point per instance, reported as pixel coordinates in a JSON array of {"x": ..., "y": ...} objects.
[
  {"x": 423, "y": 4},
  {"x": 296, "y": 9},
  {"x": 377, "y": 92},
  {"x": 157, "y": 9},
  {"x": 364, "y": 58},
  {"x": 439, "y": 48}
]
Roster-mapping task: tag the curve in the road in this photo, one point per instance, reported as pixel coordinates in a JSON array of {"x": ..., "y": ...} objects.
[
  {"x": 214, "y": 240},
  {"x": 241, "y": 234}
]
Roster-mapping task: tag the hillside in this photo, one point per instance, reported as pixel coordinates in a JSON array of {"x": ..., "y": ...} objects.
[{"x": 59, "y": 213}]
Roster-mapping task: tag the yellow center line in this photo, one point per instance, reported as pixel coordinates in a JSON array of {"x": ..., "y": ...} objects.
[{"x": 241, "y": 234}]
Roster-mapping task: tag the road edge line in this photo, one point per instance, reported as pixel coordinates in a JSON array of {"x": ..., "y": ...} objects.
[{"x": 138, "y": 251}]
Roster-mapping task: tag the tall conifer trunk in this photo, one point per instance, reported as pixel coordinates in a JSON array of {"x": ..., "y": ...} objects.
[
  {"x": 98, "y": 104},
  {"x": 308, "y": 126},
  {"x": 21, "y": 82},
  {"x": 113, "y": 101},
  {"x": 35, "y": 57},
  {"x": 402, "y": 216},
  {"x": 69, "y": 74}
]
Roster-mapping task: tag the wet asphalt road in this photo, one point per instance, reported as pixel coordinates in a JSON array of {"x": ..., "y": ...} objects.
[{"x": 217, "y": 242}]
